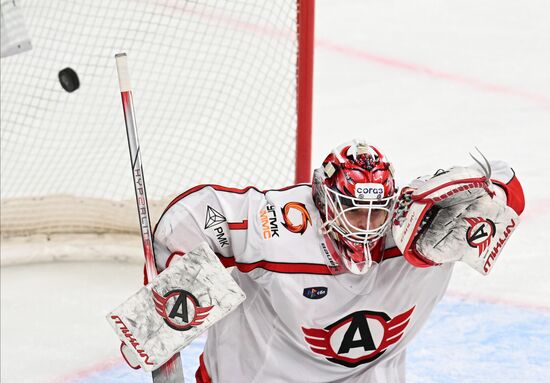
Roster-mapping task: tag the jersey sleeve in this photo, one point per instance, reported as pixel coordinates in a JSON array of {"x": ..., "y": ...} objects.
[{"x": 212, "y": 214}]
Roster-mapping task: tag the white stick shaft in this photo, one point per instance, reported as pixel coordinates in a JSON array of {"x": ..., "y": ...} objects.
[
  {"x": 171, "y": 371},
  {"x": 137, "y": 168}
]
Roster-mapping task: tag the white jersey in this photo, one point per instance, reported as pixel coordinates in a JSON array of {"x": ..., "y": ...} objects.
[{"x": 299, "y": 322}]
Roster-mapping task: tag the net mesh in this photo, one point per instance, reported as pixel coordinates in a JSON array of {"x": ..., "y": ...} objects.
[{"x": 215, "y": 94}]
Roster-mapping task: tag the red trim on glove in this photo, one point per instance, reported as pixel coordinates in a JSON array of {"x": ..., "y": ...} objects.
[
  {"x": 411, "y": 255},
  {"x": 166, "y": 265},
  {"x": 126, "y": 359},
  {"x": 417, "y": 260},
  {"x": 514, "y": 194},
  {"x": 466, "y": 182},
  {"x": 171, "y": 257},
  {"x": 202, "y": 374}
]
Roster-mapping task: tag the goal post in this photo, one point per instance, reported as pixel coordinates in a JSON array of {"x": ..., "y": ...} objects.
[
  {"x": 224, "y": 91},
  {"x": 306, "y": 20}
]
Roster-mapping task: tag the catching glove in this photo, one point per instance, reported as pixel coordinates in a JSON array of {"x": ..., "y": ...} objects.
[{"x": 453, "y": 216}]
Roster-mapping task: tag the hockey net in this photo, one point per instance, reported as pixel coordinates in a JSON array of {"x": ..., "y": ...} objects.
[{"x": 222, "y": 91}]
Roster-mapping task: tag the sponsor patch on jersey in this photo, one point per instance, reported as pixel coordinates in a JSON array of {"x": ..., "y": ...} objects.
[
  {"x": 221, "y": 236},
  {"x": 315, "y": 292},
  {"x": 357, "y": 338},
  {"x": 213, "y": 217},
  {"x": 296, "y": 217},
  {"x": 268, "y": 220},
  {"x": 180, "y": 309},
  {"x": 369, "y": 191}
]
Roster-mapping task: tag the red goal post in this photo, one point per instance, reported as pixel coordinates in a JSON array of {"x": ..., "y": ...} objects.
[
  {"x": 223, "y": 94},
  {"x": 306, "y": 27}
]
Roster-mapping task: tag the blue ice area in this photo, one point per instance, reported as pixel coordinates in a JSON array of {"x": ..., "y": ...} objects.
[
  {"x": 467, "y": 341},
  {"x": 121, "y": 373},
  {"x": 464, "y": 341}
]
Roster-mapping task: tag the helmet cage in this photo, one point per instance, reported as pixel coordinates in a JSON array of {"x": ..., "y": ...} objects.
[{"x": 374, "y": 218}]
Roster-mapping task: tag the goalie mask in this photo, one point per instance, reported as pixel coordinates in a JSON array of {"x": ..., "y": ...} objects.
[{"x": 354, "y": 191}]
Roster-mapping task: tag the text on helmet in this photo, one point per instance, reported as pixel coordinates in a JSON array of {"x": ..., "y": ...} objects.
[{"x": 369, "y": 190}]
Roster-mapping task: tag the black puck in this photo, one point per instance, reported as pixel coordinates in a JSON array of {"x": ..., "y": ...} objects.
[{"x": 69, "y": 80}]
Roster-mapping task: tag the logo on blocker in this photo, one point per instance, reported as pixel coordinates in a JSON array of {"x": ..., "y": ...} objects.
[
  {"x": 180, "y": 309},
  {"x": 480, "y": 232}
]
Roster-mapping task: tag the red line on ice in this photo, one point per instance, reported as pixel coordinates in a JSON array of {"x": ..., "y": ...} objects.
[
  {"x": 430, "y": 72},
  {"x": 87, "y": 371},
  {"x": 231, "y": 21},
  {"x": 499, "y": 301},
  {"x": 536, "y": 209}
]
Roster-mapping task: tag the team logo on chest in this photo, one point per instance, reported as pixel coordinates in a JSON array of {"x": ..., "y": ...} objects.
[
  {"x": 180, "y": 309},
  {"x": 358, "y": 338}
]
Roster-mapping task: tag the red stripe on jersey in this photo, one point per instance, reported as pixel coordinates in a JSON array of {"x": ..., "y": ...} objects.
[
  {"x": 514, "y": 194},
  {"x": 201, "y": 375},
  {"x": 225, "y": 189},
  {"x": 238, "y": 225},
  {"x": 276, "y": 267},
  {"x": 288, "y": 268},
  {"x": 279, "y": 267},
  {"x": 226, "y": 261},
  {"x": 215, "y": 187}
]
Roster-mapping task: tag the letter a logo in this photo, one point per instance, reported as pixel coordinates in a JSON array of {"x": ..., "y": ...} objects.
[
  {"x": 357, "y": 335},
  {"x": 180, "y": 308}
]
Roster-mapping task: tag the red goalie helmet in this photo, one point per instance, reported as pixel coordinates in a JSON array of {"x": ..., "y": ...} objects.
[{"x": 354, "y": 191}]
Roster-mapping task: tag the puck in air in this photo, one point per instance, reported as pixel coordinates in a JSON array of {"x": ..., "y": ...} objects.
[{"x": 69, "y": 80}]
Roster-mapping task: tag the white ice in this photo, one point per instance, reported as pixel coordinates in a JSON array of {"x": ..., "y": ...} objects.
[{"x": 425, "y": 80}]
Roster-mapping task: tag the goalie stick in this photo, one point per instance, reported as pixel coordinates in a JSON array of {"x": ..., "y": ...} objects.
[{"x": 171, "y": 371}]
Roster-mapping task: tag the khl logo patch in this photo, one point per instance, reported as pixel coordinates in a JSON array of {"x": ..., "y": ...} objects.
[
  {"x": 315, "y": 292},
  {"x": 358, "y": 338},
  {"x": 177, "y": 306}
]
